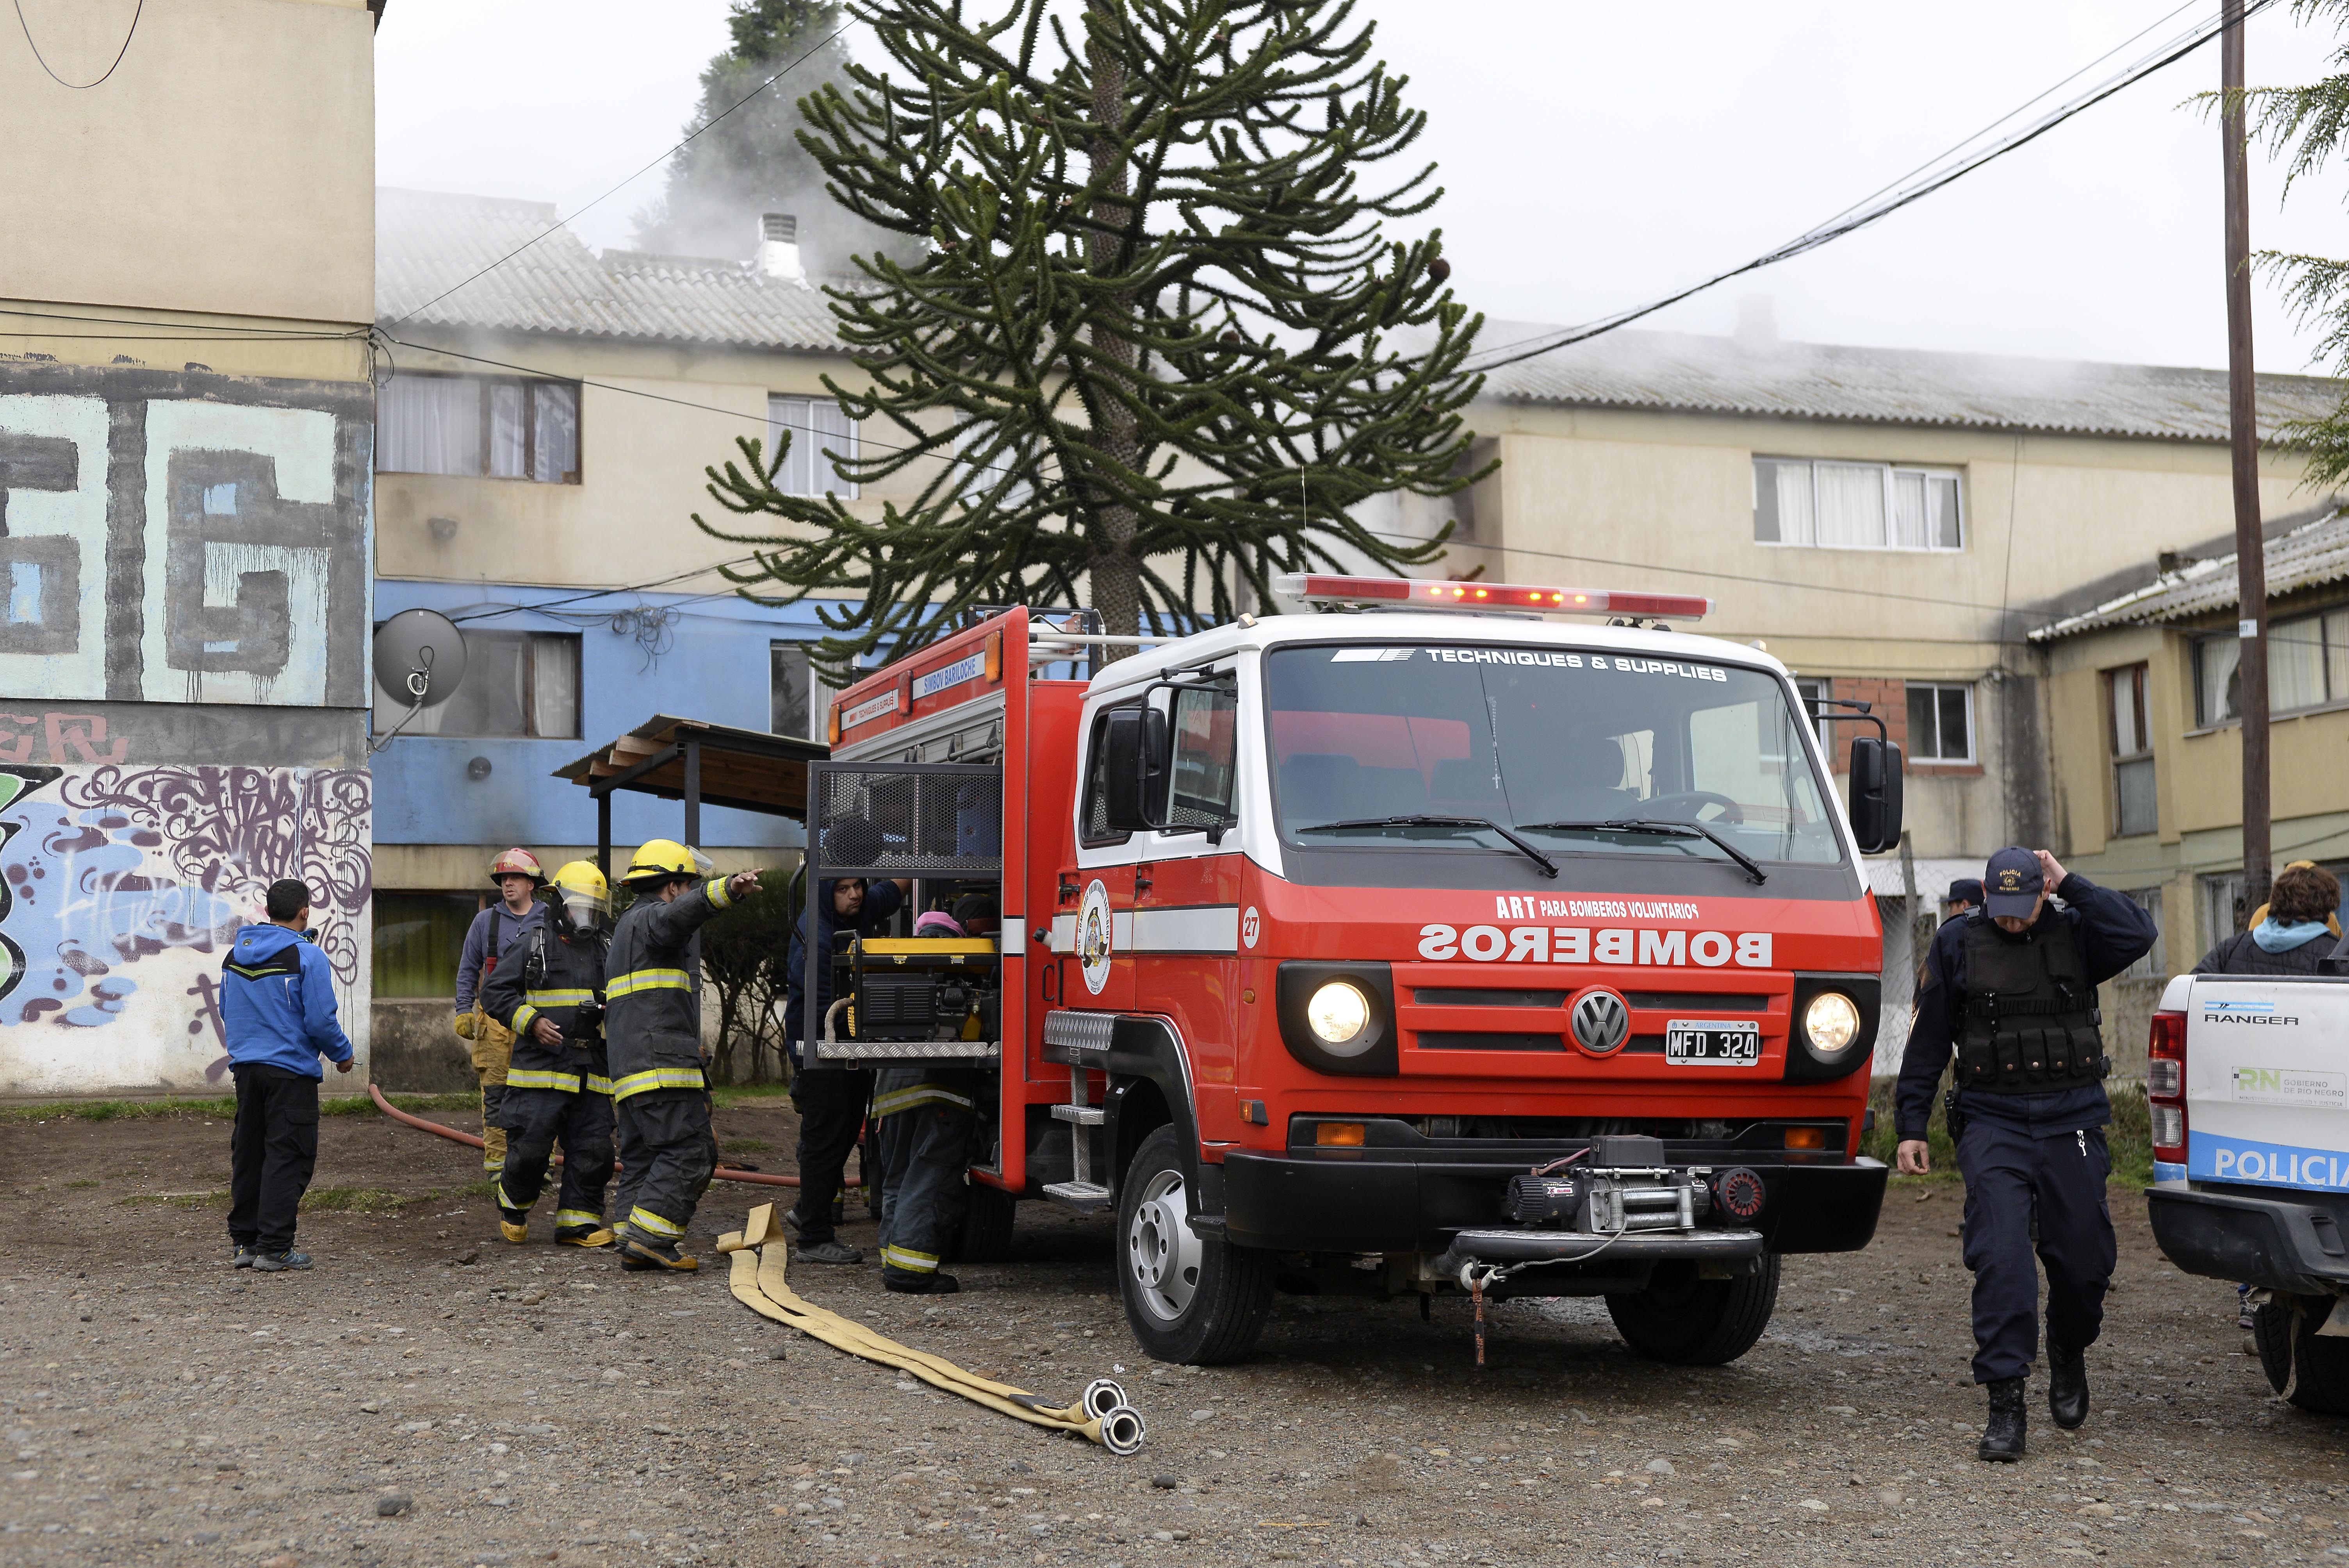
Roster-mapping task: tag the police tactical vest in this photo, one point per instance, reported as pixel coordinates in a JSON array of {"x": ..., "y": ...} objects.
[{"x": 2031, "y": 1019}]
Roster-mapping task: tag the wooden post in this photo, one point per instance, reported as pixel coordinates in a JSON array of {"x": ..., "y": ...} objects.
[{"x": 2243, "y": 437}]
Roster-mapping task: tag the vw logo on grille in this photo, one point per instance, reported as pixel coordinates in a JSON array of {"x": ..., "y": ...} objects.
[{"x": 1601, "y": 1022}]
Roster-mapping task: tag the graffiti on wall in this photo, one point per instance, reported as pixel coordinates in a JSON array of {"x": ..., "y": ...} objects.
[
  {"x": 124, "y": 888},
  {"x": 181, "y": 537}
]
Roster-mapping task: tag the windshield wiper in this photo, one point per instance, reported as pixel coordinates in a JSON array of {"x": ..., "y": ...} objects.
[
  {"x": 1668, "y": 829},
  {"x": 1532, "y": 851}
]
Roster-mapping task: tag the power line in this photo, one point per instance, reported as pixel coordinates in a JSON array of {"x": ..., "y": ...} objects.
[
  {"x": 1888, "y": 200},
  {"x": 79, "y": 87},
  {"x": 561, "y": 223}
]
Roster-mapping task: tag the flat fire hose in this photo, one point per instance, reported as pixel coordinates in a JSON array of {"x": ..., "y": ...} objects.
[{"x": 1100, "y": 1413}]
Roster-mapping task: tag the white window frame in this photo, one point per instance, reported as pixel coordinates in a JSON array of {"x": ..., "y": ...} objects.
[
  {"x": 1889, "y": 473},
  {"x": 795, "y": 411},
  {"x": 1973, "y": 731}
]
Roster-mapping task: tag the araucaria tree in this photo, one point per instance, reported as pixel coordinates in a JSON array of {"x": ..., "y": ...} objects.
[{"x": 1157, "y": 342}]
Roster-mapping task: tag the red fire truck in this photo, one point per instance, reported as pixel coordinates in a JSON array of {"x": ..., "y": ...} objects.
[{"x": 1385, "y": 949}]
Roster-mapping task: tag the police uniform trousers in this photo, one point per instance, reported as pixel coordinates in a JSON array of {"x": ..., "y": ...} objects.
[
  {"x": 923, "y": 1120},
  {"x": 538, "y": 1118},
  {"x": 830, "y": 1103},
  {"x": 2012, "y": 1176},
  {"x": 667, "y": 1152}
]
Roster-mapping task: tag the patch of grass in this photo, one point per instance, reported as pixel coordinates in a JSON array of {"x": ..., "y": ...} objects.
[
  {"x": 222, "y": 1109},
  {"x": 85, "y": 1181},
  {"x": 2129, "y": 1136},
  {"x": 352, "y": 1200},
  {"x": 749, "y": 1093},
  {"x": 730, "y": 1146},
  {"x": 216, "y": 1198}
]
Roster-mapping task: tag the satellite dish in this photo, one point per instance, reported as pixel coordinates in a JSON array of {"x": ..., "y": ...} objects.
[{"x": 420, "y": 657}]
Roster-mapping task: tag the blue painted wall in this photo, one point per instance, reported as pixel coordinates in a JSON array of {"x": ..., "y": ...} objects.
[{"x": 715, "y": 666}]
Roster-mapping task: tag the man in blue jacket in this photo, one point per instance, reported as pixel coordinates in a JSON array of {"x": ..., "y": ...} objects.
[
  {"x": 277, "y": 1008},
  {"x": 2010, "y": 993}
]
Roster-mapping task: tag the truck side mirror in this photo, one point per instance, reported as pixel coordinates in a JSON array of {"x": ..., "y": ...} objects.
[
  {"x": 1133, "y": 767},
  {"x": 1875, "y": 794}
]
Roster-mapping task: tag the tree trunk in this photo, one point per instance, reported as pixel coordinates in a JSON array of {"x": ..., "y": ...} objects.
[{"x": 1116, "y": 575}]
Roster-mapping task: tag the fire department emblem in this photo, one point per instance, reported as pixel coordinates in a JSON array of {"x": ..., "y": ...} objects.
[{"x": 1093, "y": 929}]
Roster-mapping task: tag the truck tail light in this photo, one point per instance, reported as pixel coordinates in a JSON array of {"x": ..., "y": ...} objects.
[{"x": 2164, "y": 1087}]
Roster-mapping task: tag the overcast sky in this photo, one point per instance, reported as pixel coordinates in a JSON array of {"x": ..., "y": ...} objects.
[{"x": 1592, "y": 155}]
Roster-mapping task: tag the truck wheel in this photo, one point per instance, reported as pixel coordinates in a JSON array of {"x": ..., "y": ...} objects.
[
  {"x": 1191, "y": 1299},
  {"x": 1691, "y": 1322},
  {"x": 2312, "y": 1373},
  {"x": 985, "y": 1235}
]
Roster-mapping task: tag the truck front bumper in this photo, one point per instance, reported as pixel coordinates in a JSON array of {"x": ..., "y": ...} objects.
[
  {"x": 2288, "y": 1242},
  {"x": 1389, "y": 1201}
]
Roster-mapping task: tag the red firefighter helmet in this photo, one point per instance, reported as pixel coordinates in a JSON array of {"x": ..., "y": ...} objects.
[{"x": 517, "y": 863}]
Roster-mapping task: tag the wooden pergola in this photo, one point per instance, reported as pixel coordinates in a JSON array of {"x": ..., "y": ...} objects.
[{"x": 698, "y": 763}]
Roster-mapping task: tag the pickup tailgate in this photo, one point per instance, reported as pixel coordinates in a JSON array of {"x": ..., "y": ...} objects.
[{"x": 2267, "y": 1082}]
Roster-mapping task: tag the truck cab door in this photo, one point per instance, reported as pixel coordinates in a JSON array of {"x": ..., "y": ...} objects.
[{"x": 1092, "y": 927}]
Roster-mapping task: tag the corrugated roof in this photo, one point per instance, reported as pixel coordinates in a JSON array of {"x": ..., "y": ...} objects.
[
  {"x": 426, "y": 240},
  {"x": 1889, "y": 387},
  {"x": 2307, "y": 556}
]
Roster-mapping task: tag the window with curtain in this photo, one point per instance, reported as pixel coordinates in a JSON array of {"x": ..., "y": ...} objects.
[
  {"x": 2153, "y": 963},
  {"x": 524, "y": 685},
  {"x": 2134, "y": 807},
  {"x": 797, "y": 696},
  {"x": 2308, "y": 666},
  {"x": 815, "y": 426},
  {"x": 1855, "y": 506},
  {"x": 478, "y": 426},
  {"x": 1941, "y": 723}
]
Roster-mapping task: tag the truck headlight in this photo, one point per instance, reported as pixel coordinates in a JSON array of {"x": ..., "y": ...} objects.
[
  {"x": 1832, "y": 1022},
  {"x": 1340, "y": 1017}
]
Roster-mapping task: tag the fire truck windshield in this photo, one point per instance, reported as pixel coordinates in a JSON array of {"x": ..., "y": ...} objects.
[{"x": 1414, "y": 744}]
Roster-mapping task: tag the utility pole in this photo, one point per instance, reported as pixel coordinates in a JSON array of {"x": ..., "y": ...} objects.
[{"x": 2244, "y": 438}]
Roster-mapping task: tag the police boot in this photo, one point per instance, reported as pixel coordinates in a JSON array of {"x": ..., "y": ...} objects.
[
  {"x": 2067, "y": 1386},
  {"x": 2001, "y": 1441}
]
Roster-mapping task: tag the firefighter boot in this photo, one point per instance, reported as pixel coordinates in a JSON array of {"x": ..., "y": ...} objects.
[
  {"x": 638, "y": 1254},
  {"x": 514, "y": 1225},
  {"x": 2001, "y": 1441},
  {"x": 584, "y": 1236},
  {"x": 2067, "y": 1386},
  {"x": 904, "y": 1282}
]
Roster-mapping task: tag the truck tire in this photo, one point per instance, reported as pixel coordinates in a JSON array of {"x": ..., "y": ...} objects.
[
  {"x": 986, "y": 1234},
  {"x": 2312, "y": 1373},
  {"x": 1190, "y": 1299},
  {"x": 1691, "y": 1322}
]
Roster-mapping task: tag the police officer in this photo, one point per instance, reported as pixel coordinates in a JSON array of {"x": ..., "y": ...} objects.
[
  {"x": 549, "y": 991},
  {"x": 2011, "y": 989},
  {"x": 652, "y": 1020},
  {"x": 517, "y": 877},
  {"x": 1964, "y": 893}
]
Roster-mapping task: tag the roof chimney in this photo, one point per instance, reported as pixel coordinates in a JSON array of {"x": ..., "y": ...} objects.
[{"x": 779, "y": 248}]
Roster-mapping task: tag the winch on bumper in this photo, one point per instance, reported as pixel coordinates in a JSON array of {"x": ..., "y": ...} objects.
[{"x": 1644, "y": 1200}]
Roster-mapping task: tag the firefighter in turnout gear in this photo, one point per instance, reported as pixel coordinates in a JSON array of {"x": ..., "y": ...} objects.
[
  {"x": 2011, "y": 989},
  {"x": 517, "y": 877},
  {"x": 549, "y": 993},
  {"x": 652, "y": 997}
]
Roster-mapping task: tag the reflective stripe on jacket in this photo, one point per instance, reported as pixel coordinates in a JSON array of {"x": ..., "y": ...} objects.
[
  {"x": 652, "y": 992},
  {"x": 549, "y": 976}
]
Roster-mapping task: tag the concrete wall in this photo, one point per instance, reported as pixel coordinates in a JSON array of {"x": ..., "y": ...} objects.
[
  {"x": 227, "y": 165},
  {"x": 181, "y": 706}
]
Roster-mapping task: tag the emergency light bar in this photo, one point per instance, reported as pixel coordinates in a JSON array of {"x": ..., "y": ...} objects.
[{"x": 1426, "y": 593}]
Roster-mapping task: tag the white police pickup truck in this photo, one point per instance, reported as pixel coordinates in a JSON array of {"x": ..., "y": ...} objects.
[{"x": 2248, "y": 1080}]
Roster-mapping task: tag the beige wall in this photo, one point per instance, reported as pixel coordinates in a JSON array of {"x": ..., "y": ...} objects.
[
  {"x": 650, "y": 421},
  {"x": 228, "y": 165},
  {"x": 1606, "y": 498}
]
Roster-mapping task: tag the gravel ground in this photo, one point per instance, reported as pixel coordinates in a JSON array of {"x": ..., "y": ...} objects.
[{"x": 430, "y": 1395}]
